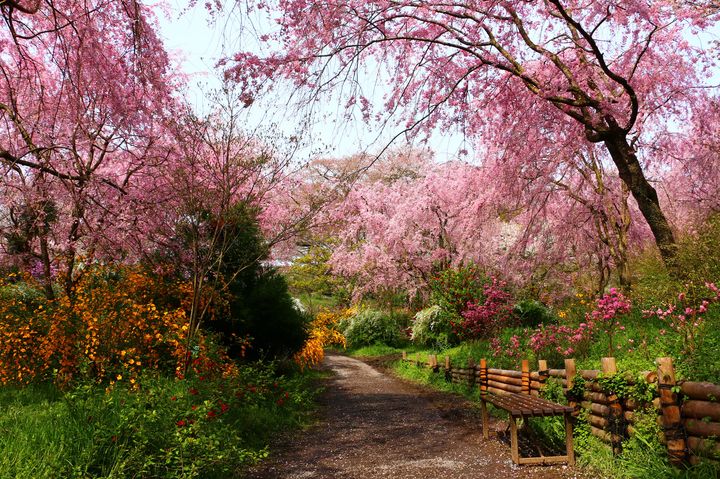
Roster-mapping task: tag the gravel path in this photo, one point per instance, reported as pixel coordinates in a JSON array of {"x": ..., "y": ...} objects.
[{"x": 376, "y": 426}]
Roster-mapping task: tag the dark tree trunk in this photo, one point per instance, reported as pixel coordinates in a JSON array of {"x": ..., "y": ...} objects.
[
  {"x": 47, "y": 271},
  {"x": 631, "y": 173},
  {"x": 624, "y": 275}
]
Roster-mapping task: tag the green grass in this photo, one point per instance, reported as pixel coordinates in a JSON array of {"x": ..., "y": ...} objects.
[
  {"x": 169, "y": 429},
  {"x": 425, "y": 376},
  {"x": 318, "y": 302},
  {"x": 374, "y": 350},
  {"x": 640, "y": 459},
  {"x": 459, "y": 355}
]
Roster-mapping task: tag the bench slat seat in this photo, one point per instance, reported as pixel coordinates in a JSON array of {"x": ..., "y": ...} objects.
[{"x": 521, "y": 406}]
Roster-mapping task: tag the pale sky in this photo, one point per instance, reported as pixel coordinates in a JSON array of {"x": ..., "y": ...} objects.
[{"x": 197, "y": 46}]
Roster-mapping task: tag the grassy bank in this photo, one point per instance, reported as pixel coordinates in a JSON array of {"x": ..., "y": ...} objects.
[
  {"x": 166, "y": 428},
  {"x": 643, "y": 456}
]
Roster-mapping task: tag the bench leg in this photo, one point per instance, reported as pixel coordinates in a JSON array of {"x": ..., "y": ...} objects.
[
  {"x": 569, "y": 440},
  {"x": 514, "y": 440},
  {"x": 485, "y": 422}
]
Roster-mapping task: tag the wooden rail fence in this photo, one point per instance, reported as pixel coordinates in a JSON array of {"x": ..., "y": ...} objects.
[{"x": 688, "y": 411}]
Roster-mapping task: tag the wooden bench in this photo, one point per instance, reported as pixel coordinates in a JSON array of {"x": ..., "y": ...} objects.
[{"x": 521, "y": 405}]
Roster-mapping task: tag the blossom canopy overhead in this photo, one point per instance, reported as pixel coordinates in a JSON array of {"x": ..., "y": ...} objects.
[{"x": 616, "y": 73}]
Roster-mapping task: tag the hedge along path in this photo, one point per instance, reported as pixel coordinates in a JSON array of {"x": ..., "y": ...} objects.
[{"x": 376, "y": 426}]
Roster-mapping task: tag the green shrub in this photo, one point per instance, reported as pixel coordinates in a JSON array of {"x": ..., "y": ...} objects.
[
  {"x": 265, "y": 311},
  {"x": 697, "y": 262},
  {"x": 642, "y": 457},
  {"x": 369, "y": 327},
  {"x": 431, "y": 327},
  {"x": 532, "y": 313},
  {"x": 703, "y": 362}
]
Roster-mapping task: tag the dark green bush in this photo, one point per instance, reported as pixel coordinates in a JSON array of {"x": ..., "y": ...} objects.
[
  {"x": 532, "y": 313},
  {"x": 265, "y": 311}
]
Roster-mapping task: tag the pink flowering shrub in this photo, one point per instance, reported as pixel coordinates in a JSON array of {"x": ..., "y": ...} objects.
[
  {"x": 555, "y": 342},
  {"x": 685, "y": 318},
  {"x": 480, "y": 320},
  {"x": 607, "y": 313},
  {"x": 513, "y": 349},
  {"x": 551, "y": 342}
]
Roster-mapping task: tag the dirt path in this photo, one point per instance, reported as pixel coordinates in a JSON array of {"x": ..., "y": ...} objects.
[{"x": 376, "y": 426}]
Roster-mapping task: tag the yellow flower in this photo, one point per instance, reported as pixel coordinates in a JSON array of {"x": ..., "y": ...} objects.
[{"x": 119, "y": 377}]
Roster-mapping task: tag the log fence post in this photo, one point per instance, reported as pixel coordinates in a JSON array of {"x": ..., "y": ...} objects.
[
  {"x": 542, "y": 371},
  {"x": 483, "y": 391},
  {"x": 570, "y": 372},
  {"x": 404, "y": 355},
  {"x": 525, "y": 368},
  {"x": 483, "y": 376},
  {"x": 434, "y": 363},
  {"x": 675, "y": 436},
  {"x": 448, "y": 370},
  {"x": 616, "y": 418}
]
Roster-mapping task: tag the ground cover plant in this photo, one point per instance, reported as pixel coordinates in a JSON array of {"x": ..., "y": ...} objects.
[{"x": 209, "y": 425}]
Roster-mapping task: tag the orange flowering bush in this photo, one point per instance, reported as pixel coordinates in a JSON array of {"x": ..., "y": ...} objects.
[
  {"x": 323, "y": 332},
  {"x": 109, "y": 330}
]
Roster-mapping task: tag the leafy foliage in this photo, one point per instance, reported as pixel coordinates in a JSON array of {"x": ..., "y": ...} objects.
[
  {"x": 688, "y": 319},
  {"x": 311, "y": 274},
  {"x": 209, "y": 425},
  {"x": 531, "y": 313},
  {"x": 452, "y": 289},
  {"x": 368, "y": 327},
  {"x": 262, "y": 308},
  {"x": 698, "y": 258},
  {"x": 243, "y": 298},
  {"x": 432, "y": 327},
  {"x": 695, "y": 265}
]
